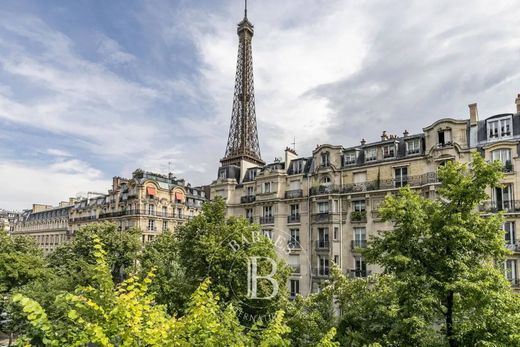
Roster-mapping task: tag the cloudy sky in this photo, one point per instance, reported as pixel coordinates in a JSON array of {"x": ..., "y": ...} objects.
[{"x": 94, "y": 89}]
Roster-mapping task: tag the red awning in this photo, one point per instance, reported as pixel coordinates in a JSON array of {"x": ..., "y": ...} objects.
[
  {"x": 150, "y": 191},
  {"x": 179, "y": 196}
]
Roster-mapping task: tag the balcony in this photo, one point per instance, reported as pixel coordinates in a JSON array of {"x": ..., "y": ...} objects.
[
  {"x": 357, "y": 273},
  {"x": 508, "y": 206},
  {"x": 295, "y": 269},
  {"x": 321, "y": 272},
  {"x": 267, "y": 220},
  {"x": 413, "y": 181},
  {"x": 358, "y": 216},
  {"x": 514, "y": 247},
  {"x": 293, "y": 194},
  {"x": 325, "y": 189},
  {"x": 152, "y": 229},
  {"x": 294, "y": 244},
  {"x": 293, "y": 218},
  {"x": 322, "y": 217},
  {"x": 515, "y": 282},
  {"x": 247, "y": 199},
  {"x": 322, "y": 245},
  {"x": 83, "y": 219},
  {"x": 357, "y": 244}
]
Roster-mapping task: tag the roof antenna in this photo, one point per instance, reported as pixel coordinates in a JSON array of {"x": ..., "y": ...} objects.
[{"x": 245, "y": 9}]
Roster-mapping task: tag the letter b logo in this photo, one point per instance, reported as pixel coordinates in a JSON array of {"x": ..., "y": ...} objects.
[{"x": 253, "y": 277}]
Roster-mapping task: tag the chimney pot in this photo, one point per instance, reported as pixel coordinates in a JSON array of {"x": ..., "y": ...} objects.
[
  {"x": 363, "y": 142},
  {"x": 517, "y": 102},
  {"x": 405, "y": 133}
]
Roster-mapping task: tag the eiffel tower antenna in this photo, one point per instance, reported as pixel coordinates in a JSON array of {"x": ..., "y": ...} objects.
[{"x": 243, "y": 141}]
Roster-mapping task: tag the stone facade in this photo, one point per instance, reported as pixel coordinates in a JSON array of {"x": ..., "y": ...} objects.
[
  {"x": 151, "y": 202},
  {"x": 324, "y": 207}
]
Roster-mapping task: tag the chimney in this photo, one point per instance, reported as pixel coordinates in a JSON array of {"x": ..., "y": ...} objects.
[
  {"x": 406, "y": 133},
  {"x": 517, "y": 101},
  {"x": 290, "y": 154},
  {"x": 384, "y": 136},
  {"x": 363, "y": 142},
  {"x": 473, "y": 114}
]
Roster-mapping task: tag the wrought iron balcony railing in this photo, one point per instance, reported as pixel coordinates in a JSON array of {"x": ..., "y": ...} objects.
[
  {"x": 292, "y": 194},
  {"x": 508, "y": 206},
  {"x": 267, "y": 220},
  {"x": 295, "y": 269},
  {"x": 357, "y": 244},
  {"x": 247, "y": 199},
  {"x": 322, "y": 217},
  {"x": 322, "y": 244},
  {"x": 358, "y": 216},
  {"x": 321, "y": 272},
  {"x": 294, "y": 244},
  {"x": 293, "y": 218}
]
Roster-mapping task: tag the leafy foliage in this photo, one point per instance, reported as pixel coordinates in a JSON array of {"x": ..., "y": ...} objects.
[{"x": 126, "y": 315}]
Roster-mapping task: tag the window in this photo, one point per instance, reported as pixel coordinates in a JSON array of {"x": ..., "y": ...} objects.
[
  {"x": 297, "y": 166},
  {"x": 359, "y": 205},
  {"x": 370, "y": 154},
  {"x": 503, "y": 197},
  {"x": 294, "y": 241},
  {"x": 349, "y": 158},
  {"x": 510, "y": 271},
  {"x": 268, "y": 233},
  {"x": 250, "y": 191},
  {"x": 325, "y": 180},
  {"x": 267, "y": 187},
  {"x": 336, "y": 259},
  {"x": 151, "y": 225},
  {"x": 389, "y": 151},
  {"x": 325, "y": 159},
  {"x": 413, "y": 146},
  {"x": 499, "y": 128},
  {"x": 151, "y": 209},
  {"x": 295, "y": 210},
  {"x": 360, "y": 238},
  {"x": 323, "y": 207},
  {"x": 179, "y": 212},
  {"x": 401, "y": 177},
  {"x": 323, "y": 237},
  {"x": 295, "y": 288},
  {"x": 294, "y": 263},
  {"x": 504, "y": 156},
  {"x": 268, "y": 211},
  {"x": 361, "y": 267},
  {"x": 323, "y": 265},
  {"x": 249, "y": 214},
  {"x": 444, "y": 137},
  {"x": 165, "y": 225},
  {"x": 295, "y": 185},
  {"x": 336, "y": 233},
  {"x": 509, "y": 229},
  {"x": 164, "y": 211},
  {"x": 222, "y": 174},
  {"x": 251, "y": 174}
]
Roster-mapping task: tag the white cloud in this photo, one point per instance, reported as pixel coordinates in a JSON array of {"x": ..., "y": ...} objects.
[{"x": 27, "y": 184}]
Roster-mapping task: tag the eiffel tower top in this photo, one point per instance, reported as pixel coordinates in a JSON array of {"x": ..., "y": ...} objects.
[{"x": 243, "y": 141}]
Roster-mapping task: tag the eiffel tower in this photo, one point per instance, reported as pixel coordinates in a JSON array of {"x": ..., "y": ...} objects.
[{"x": 243, "y": 142}]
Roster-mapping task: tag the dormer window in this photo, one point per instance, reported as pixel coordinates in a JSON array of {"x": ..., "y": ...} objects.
[
  {"x": 389, "y": 151},
  {"x": 251, "y": 175},
  {"x": 444, "y": 137},
  {"x": 297, "y": 166},
  {"x": 413, "y": 146},
  {"x": 349, "y": 158},
  {"x": 370, "y": 154},
  {"x": 499, "y": 128},
  {"x": 325, "y": 159},
  {"x": 222, "y": 174}
]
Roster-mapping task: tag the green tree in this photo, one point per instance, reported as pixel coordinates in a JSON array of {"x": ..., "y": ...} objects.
[
  {"x": 214, "y": 246},
  {"x": 170, "y": 284},
  {"x": 442, "y": 254},
  {"x": 71, "y": 259},
  {"x": 126, "y": 315},
  {"x": 21, "y": 261}
]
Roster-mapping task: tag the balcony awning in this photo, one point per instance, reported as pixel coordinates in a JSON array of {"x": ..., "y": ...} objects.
[
  {"x": 179, "y": 196},
  {"x": 150, "y": 191}
]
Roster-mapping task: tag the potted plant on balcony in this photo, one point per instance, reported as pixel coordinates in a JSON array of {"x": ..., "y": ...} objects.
[
  {"x": 508, "y": 166},
  {"x": 358, "y": 215}
]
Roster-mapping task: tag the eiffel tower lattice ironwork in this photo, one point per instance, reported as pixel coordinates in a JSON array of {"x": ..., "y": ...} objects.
[{"x": 243, "y": 141}]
